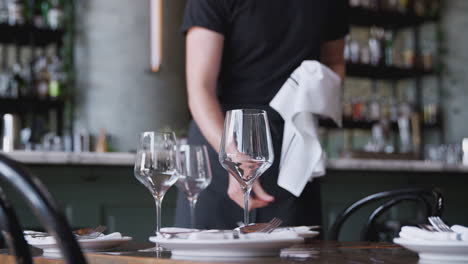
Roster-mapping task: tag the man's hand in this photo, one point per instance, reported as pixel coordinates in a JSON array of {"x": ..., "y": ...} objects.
[{"x": 259, "y": 198}]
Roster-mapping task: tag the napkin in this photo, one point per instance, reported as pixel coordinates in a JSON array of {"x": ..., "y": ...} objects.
[
  {"x": 311, "y": 90},
  {"x": 51, "y": 240},
  {"x": 414, "y": 233}
]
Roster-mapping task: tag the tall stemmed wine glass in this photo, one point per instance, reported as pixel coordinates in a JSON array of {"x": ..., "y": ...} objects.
[
  {"x": 246, "y": 149},
  {"x": 156, "y": 166},
  {"x": 194, "y": 175}
]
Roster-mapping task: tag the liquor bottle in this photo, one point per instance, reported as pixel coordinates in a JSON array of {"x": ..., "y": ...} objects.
[
  {"x": 38, "y": 18},
  {"x": 55, "y": 15},
  {"x": 354, "y": 50},
  {"x": 375, "y": 46},
  {"x": 17, "y": 85},
  {"x": 374, "y": 109},
  {"x": 419, "y": 7},
  {"x": 55, "y": 69},
  {"x": 42, "y": 77},
  {"x": 389, "y": 48},
  {"x": 15, "y": 12},
  {"x": 393, "y": 110},
  {"x": 403, "y": 6},
  {"x": 45, "y": 7},
  {"x": 3, "y": 12}
]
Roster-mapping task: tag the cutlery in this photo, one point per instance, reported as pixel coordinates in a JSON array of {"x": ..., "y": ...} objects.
[
  {"x": 427, "y": 227},
  {"x": 260, "y": 227},
  {"x": 89, "y": 233},
  {"x": 439, "y": 224},
  {"x": 84, "y": 233}
]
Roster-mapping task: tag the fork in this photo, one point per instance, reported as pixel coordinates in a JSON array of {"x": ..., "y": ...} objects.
[
  {"x": 439, "y": 224},
  {"x": 260, "y": 227},
  {"x": 93, "y": 233},
  {"x": 274, "y": 223}
]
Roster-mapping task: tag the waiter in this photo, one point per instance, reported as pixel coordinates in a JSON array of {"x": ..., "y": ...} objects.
[{"x": 239, "y": 54}]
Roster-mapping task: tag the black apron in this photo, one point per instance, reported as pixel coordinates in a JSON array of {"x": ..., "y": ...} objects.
[{"x": 215, "y": 210}]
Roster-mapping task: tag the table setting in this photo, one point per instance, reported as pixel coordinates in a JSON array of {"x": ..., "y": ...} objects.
[
  {"x": 437, "y": 242},
  {"x": 246, "y": 152},
  {"x": 89, "y": 239}
]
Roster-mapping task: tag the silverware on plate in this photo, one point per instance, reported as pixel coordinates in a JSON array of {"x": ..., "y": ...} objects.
[{"x": 439, "y": 224}]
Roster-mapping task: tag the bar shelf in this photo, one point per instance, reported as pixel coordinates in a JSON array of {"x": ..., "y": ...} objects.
[
  {"x": 387, "y": 19},
  {"x": 384, "y": 72},
  {"x": 29, "y": 104},
  {"x": 23, "y": 35}
]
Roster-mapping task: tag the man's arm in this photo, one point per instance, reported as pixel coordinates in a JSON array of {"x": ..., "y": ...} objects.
[
  {"x": 332, "y": 55},
  {"x": 204, "y": 50}
]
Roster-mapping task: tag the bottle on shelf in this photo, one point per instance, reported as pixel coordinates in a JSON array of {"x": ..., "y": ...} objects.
[
  {"x": 354, "y": 50},
  {"x": 45, "y": 8},
  {"x": 15, "y": 12},
  {"x": 419, "y": 7},
  {"x": 393, "y": 110},
  {"x": 430, "y": 114},
  {"x": 374, "y": 109},
  {"x": 3, "y": 12},
  {"x": 359, "y": 110},
  {"x": 365, "y": 54},
  {"x": 403, "y": 6},
  {"x": 57, "y": 77},
  {"x": 37, "y": 16},
  {"x": 347, "y": 109},
  {"x": 375, "y": 45},
  {"x": 42, "y": 77},
  {"x": 388, "y": 48},
  {"x": 55, "y": 14}
]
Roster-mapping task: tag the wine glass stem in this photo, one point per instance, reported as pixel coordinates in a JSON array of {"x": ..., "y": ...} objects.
[
  {"x": 193, "y": 203},
  {"x": 158, "y": 214},
  {"x": 246, "y": 204}
]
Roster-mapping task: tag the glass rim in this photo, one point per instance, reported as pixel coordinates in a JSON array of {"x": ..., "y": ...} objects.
[{"x": 256, "y": 111}]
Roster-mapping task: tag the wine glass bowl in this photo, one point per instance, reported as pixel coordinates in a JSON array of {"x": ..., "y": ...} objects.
[
  {"x": 246, "y": 150},
  {"x": 194, "y": 174}
]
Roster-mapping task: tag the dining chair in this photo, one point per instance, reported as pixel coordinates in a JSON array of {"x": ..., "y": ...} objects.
[
  {"x": 12, "y": 233},
  {"x": 43, "y": 206},
  {"x": 431, "y": 201}
]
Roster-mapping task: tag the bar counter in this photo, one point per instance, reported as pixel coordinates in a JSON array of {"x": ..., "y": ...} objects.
[
  {"x": 127, "y": 159},
  {"x": 320, "y": 253}
]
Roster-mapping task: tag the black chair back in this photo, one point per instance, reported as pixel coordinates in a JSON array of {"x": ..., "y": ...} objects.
[
  {"x": 43, "y": 206},
  {"x": 12, "y": 233},
  {"x": 431, "y": 199}
]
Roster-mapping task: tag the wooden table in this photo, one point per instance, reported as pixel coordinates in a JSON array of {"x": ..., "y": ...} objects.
[{"x": 320, "y": 253}]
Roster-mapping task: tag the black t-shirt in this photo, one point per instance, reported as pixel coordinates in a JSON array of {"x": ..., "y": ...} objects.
[{"x": 265, "y": 40}]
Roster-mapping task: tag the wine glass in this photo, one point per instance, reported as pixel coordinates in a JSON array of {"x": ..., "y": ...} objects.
[
  {"x": 246, "y": 148},
  {"x": 156, "y": 167},
  {"x": 194, "y": 175}
]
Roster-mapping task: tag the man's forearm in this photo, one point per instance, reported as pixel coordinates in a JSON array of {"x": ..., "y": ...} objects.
[{"x": 209, "y": 117}]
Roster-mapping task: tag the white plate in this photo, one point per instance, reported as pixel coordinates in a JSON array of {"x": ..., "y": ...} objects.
[
  {"x": 85, "y": 244},
  {"x": 301, "y": 233},
  {"x": 437, "y": 250},
  {"x": 239, "y": 248}
]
